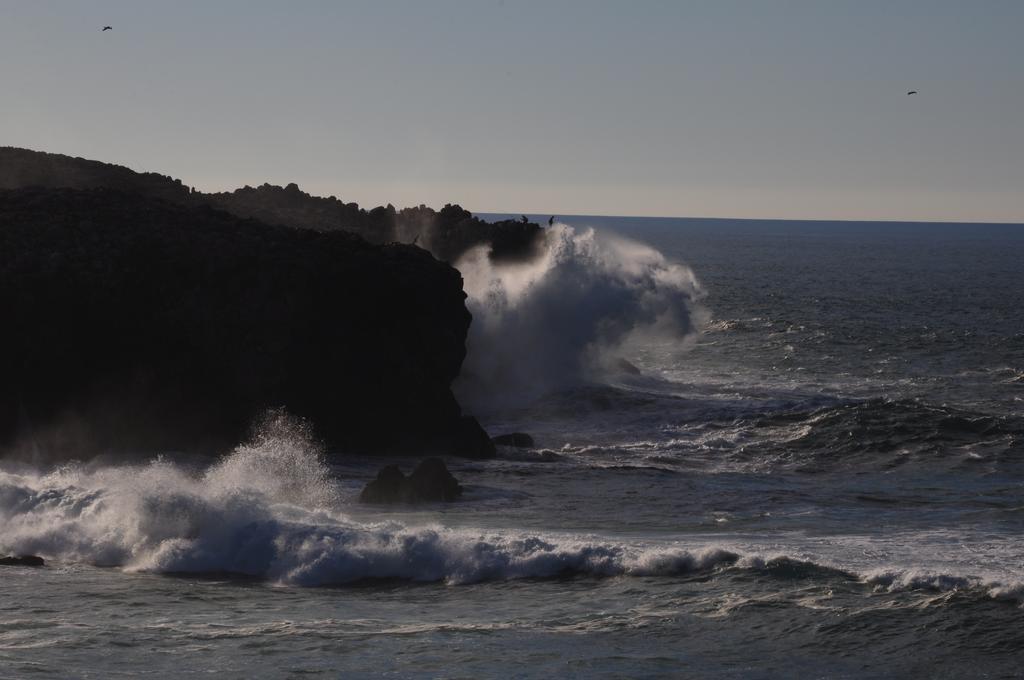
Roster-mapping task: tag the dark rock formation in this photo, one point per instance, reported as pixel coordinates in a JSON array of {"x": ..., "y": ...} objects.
[
  {"x": 139, "y": 323},
  {"x": 22, "y": 561},
  {"x": 624, "y": 367},
  {"x": 389, "y": 487},
  {"x": 430, "y": 482},
  {"x": 470, "y": 439},
  {"x": 446, "y": 233},
  {"x": 520, "y": 440},
  {"x": 21, "y": 168}
]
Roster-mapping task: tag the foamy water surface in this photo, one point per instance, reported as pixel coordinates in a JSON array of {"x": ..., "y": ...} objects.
[{"x": 810, "y": 465}]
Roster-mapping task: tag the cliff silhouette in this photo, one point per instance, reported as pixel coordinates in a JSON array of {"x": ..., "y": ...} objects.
[
  {"x": 139, "y": 317},
  {"x": 446, "y": 233}
]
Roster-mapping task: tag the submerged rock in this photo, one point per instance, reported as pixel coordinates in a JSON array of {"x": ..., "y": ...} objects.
[
  {"x": 626, "y": 368},
  {"x": 430, "y": 482},
  {"x": 520, "y": 440},
  {"x": 22, "y": 561}
]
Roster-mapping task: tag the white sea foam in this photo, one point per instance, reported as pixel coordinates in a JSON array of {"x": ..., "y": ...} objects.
[
  {"x": 271, "y": 510},
  {"x": 587, "y": 300},
  {"x": 918, "y": 578},
  {"x": 160, "y": 518}
]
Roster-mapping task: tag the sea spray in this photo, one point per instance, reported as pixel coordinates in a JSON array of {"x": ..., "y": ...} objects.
[
  {"x": 584, "y": 302},
  {"x": 270, "y": 510},
  {"x": 160, "y": 518},
  {"x": 165, "y": 515},
  {"x": 282, "y": 461},
  {"x": 247, "y": 515}
]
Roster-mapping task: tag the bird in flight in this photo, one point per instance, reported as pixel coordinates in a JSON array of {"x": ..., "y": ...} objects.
[
  {"x": 107, "y": 28},
  {"x": 912, "y": 92}
]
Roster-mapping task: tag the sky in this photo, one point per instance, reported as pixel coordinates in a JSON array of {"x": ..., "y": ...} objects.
[{"x": 725, "y": 108}]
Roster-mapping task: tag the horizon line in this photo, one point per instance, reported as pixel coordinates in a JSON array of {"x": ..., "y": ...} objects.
[
  {"x": 514, "y": 215},
  {"x": 128, "y": 165}
]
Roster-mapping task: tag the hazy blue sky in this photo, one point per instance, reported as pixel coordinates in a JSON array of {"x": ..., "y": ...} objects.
[{"x": 792, "y": 109}]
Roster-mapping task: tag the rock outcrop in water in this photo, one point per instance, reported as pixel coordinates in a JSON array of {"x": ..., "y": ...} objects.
[
  {"x": 22, "y": 561},
  {"x": 446, "y": 233},
  {"x": 138, "y": 323},
  {"x": 519, "y": 440},
  {"x": 430, "y": 482}
]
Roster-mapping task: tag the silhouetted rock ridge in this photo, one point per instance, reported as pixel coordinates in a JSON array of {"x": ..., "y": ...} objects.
[
  {"x": 138, "y": 323},
  {"x": 447, "y": 233}
]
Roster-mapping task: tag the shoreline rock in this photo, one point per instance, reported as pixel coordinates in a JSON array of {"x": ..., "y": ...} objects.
[
  {"x": 446, "y": 233},
  {"x": 133, "y": 324},
  {"x": 519, "y": 440},
  {"x": 22, "y": 561},
  {"x": 430, "y": 482}
]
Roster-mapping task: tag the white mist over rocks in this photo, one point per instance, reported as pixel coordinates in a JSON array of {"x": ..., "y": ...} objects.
[{"x": 572, "y": 313}]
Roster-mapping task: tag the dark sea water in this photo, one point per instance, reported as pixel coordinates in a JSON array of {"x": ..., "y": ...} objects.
[{"x": 816, "y": 469}]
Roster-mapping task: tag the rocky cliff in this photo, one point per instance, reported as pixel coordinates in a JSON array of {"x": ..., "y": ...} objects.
[
  {"x": 20, "y": 168},
  {"x": 446, "y": 233},
  {"x": 139, "y": 319}
]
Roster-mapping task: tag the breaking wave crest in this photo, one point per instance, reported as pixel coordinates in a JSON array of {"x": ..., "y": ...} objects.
[
  {"x": 575, "y": 310},
  {"x": 159, "y": 518},
  {"x": 271, "y": 510}
]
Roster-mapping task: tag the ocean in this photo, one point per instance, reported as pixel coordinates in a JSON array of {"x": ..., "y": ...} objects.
[{"x": 765, "y": 449}]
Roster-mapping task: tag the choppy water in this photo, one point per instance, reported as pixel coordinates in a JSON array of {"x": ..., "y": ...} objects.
[{"x": 828, "y": 483}]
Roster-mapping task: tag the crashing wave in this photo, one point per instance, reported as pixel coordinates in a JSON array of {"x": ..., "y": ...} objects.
[
  {"x": 572, "y": 312},
  {"x": 269, "y": 510},
  {"x": 273, "y": 511}
]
